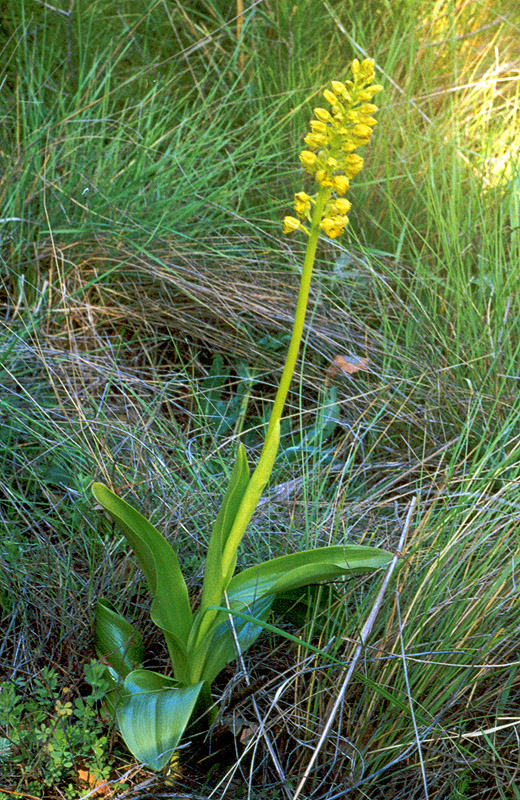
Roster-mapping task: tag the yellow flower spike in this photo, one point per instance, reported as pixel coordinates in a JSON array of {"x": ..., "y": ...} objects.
[{"x": 332, "y": 139}]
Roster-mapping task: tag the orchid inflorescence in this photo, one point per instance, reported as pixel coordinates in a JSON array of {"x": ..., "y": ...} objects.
[{"x": 330, "y": 156}]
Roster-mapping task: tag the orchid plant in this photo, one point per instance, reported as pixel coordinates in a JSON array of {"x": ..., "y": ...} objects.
[{"x": 153, "y": 710}]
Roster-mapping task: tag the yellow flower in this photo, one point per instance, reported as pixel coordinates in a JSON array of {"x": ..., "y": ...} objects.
[
  {"x": 353, "y": 164},
  {"x": 308, "y": 159},
  {"x": 290, "y": 224},
  {"x": 342, "y": 206},
  {"x": 369, "y": 92},
  {"x": 323, "y": 178},
  {"x": 363, "y": 131},
  {"x": 315, "y": 140},
  {"x": 366, "y": 70},
  {"x": 340, "y": 184},
  {"x": 338, "y": 87},
  {"x": 302, "y": 205},
  {"x": 333, "y": 226},
  {"x": 341, "y": 91},
  {"x": 366, "y": 120}
]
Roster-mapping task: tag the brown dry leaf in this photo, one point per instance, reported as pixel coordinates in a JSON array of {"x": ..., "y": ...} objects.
[
  {"x": 102, "y": 788},
  {"x": 247, "y": 733},
  {"x": 347, "y": 365}
]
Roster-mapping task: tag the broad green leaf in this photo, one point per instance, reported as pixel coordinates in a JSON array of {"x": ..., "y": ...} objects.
[
  {"x": 171, "y": 607},
  {"x": 223, "y": 646},
  {"x": 249, "y": 588},
  {"x": 300, "y": 569},
  {"x": 153, "y": 711},
  {"x": 116, "y": 641},
  {"x": 212, "y": 586}
]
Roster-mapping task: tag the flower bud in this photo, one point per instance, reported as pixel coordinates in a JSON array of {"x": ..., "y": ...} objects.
[
  {"x": 329, "y": 97},
  {"x": 362, "y": 131},
  {"x": 318, "y": 127},
  {"x": 366, "y": 70},
  {"x": 315, "y": 140},
  {"x": 369, "y": 92},
  {"x": 338, "y": 87},
  {"x": 322, "y": 114}
]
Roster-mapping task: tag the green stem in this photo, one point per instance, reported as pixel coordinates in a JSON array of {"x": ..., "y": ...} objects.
[{"x": 301, "y": 309}]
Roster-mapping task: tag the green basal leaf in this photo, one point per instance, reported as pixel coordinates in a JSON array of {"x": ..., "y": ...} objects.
[
  {"x": 300, "y": 569},
  {"x": 171, "y": 610},
  {"x": 153, "y": 711},
  {"x": 116, "y": 641}
]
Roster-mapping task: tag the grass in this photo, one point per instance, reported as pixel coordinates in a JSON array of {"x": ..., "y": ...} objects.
[{"x": 148, "y": 157}]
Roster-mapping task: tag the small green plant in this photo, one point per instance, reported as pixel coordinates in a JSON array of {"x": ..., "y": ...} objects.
[
  {"x": 47, "y": 733},
  {"x": 153, "y": 710}
]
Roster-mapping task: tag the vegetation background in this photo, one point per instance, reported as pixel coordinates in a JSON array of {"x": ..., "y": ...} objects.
[{"x": 148, "y": 155}]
